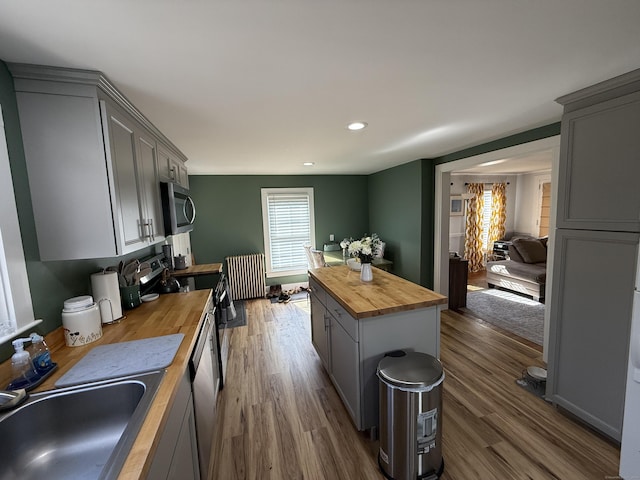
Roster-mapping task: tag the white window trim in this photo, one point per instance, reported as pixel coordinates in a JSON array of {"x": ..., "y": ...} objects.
[
  {"x": 265, "y": 192},
  {"x": 14, "y": 282}
]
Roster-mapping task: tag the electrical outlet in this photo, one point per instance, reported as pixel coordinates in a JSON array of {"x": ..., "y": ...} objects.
[{"x": 331, "y": 237}]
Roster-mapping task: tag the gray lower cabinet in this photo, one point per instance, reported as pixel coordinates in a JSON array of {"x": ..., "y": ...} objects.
[
  {"x": 345, "y": 358},
  {"x": 350, "y": 348},
  {"x": 320, "y": 330},
  {"x": 177, "y": 452},
  {"x": 590, "y": 324},
  {"x": 92, "y": 161}
]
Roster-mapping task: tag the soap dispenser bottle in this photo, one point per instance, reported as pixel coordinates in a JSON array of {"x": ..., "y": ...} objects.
[
  {"x": 39, "y": 353},
  {"x": 23, "y": 373}
]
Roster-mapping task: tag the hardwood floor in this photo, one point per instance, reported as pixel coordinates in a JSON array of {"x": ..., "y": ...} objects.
[{"x": 279, "y": 416}]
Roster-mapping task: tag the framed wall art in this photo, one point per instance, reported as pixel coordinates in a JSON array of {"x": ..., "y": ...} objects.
[{"x": 456, "y": 205}]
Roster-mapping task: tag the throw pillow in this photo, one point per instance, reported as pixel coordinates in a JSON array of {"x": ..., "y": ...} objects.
[
  {"x": 531, "y": 250},
  {"x": 514, "y": 254}
]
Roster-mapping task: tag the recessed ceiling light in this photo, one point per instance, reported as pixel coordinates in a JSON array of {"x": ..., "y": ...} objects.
[
  {"x": 355, "y": 126},
  {"x": 308, "y": 164}
]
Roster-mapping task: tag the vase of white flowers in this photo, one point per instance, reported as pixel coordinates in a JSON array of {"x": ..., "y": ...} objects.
[{"x": 365, "y": 249}]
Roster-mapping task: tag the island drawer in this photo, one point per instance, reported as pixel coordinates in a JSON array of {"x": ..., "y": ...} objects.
[
  {"x": 338, "y": 312},
  {"x": 318, "y": 291}
]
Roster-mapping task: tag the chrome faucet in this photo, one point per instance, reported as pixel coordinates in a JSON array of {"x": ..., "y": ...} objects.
[{"x": 11, "y": 399}]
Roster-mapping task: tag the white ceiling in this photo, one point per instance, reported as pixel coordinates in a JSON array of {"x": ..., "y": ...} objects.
[
  {"x": 529, "y": 163},
  {"x": 260, "y": 86}
]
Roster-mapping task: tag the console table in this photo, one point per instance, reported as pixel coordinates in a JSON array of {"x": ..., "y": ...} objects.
[{"x": 458, "y": 269}]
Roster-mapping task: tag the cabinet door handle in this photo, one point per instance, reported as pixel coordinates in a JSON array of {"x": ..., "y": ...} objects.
[
  {"x": 141, "y": 228},
  {"x": 146, "y": 224}
]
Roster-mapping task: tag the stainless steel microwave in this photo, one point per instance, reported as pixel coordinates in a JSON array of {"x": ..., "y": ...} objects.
[{"x": 178, "y": 209}]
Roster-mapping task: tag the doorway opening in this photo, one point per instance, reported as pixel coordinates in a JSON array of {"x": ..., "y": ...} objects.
[{"x": 509, "y": 162}]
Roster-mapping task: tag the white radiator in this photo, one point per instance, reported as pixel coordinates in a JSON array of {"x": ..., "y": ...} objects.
[{"x": 246, "y": 276}]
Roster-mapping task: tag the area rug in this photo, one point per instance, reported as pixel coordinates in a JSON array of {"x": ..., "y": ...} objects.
[
  {"x": 509, "y": 311},
  {"x": 241, "y": 315}
]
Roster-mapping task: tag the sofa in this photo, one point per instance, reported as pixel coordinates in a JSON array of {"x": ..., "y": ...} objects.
[{"x": 525, "y": 271}]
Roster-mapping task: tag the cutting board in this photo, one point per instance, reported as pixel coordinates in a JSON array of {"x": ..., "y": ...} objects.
[{"x": 121, "y": 359}]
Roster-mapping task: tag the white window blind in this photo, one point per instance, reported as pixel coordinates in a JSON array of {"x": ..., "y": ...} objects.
[
  {"x": 288, "y": 225},
  {"x": 486, "y": 218}
]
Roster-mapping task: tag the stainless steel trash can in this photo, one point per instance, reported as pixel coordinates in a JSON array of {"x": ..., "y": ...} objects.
[{"x": 410, "y": 416}]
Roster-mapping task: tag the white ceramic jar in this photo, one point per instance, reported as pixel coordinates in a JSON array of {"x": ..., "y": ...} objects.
[{"x": 81, "y": 321}]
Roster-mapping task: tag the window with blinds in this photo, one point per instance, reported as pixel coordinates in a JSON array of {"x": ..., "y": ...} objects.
[
  {"x": 486, "y": 217},
  {"x": 288, "y": 224}
]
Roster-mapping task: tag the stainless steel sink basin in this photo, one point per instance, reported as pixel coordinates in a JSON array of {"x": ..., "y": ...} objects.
[{"x": 78, "y": 432}]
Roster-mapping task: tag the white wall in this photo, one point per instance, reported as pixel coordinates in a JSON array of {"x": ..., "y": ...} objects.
[{"x": 527, "y": 206}]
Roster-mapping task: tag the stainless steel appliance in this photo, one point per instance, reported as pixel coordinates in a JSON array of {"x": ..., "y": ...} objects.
[
  {"x": 178, "y": 209},
  {"x": 205, "y": 379},
  {"x": 222, "y": 302}
]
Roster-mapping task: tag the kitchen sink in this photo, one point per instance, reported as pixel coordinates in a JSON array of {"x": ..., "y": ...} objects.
[{"x": 82, "y": 432}]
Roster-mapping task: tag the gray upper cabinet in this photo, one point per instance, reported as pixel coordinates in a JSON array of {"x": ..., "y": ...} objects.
[
  {"x": 133, "y": 156},
  {"x": 600, "y": 153},
  {"x": 171, "y": 168},
  {"x": 149, "y": 185},
  {"x": 92, "y": 162}
]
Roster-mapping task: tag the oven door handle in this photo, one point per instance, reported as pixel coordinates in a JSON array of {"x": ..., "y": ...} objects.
[{"x": 201, "y": 344}]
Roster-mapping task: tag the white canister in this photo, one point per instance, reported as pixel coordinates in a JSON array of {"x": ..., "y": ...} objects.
[{"x": 81, "y": 321}]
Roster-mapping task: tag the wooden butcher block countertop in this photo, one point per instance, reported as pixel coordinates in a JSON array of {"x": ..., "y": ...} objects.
[
  {"x": 386, "y": 294},
  {"x": 170, "y": 314}
]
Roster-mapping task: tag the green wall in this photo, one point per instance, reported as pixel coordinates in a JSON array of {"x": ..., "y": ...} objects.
[
  {"x": 395, "y": 214},
  {"x": 50, "y": 282},
  {"x": 229, "y": 212}
]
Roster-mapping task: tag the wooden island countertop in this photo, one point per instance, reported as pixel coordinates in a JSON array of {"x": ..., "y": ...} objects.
[
  {"x": 387, "y": 293},
  {"x": 170, "y": 314}
]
